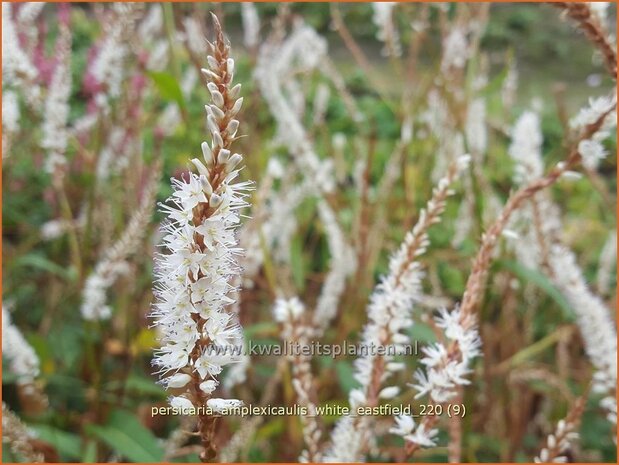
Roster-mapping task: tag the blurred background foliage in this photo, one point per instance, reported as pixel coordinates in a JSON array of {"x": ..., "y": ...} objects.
[{"x": 97, "y": 376}]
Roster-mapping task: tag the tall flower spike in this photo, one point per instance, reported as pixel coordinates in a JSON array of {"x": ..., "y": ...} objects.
[
  {"x": 22, "y": 360},
  {"x": 114, "y": 261},
  {"x": 18, "y": 437},
  {"x": 55, "y": 133},
  {"x": 194, "y": 280},
  {"x": 291, "y": 314},
  {"x": 560, "y": 441},
  {"x": 389, "y": 314}
]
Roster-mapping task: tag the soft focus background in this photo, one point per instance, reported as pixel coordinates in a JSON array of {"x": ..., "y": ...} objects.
[{"x": 139, "y": 116}]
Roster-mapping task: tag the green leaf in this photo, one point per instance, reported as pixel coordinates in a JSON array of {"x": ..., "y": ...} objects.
[
  {"x": 541, "y": 281},
  {"x": 8, "y": 376},
  {"x": 168, "y": 87},
  {"x": 7, "y": 456},
  {"x": 128, "y": 437},
  {"x": 270, "y": 429},
  {"x": 421, "y": 332},
  {"x": 263, "y": 328},
  {"x": 187, "y": 458},
  {"x": 345, "y": 375},
  {"x": 90, "y": 452},
  {"x": 453, "y": 279},
  {"x": 141, "y": 385},
  {"x": 37, "y": 261},
  {"x": 67, "y": 444}
]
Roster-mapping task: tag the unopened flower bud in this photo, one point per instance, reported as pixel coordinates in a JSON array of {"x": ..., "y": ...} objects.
[
  {"x": 223, "y": 156},
  {"x": 395, "y": 366},
  {"x": 510, "y": 234},
  {"x": 230, "y": 67},
  {"x": 212, "y": 87},
  {"x": 219, "y": 142},
  {"x": 221, "y": 405},
  {"x": 200, "y": 167},
  {"x": 216, "y": 112},
  {"x": 181, "y": 403},
  {"x": 215, "y": 200},
  {"x": 389, "y": 392},
  {"x": 237, "y": 106},
  {"x": 206, "y": 186},
  {"x": 178, "y": 380},
  {"x": 357, "y": 397},
  {"x": 212, "y": 62},
  {"x": 218, "y": 99},
  {"x": 207, "y": 153},
  {"x": 235, "y": 91},
  {"x": 212, "y": 124},
  {"x": 208, "y": 386},
  {"x": 232, "y": 127},
  {"x": 209, "y": 74},
  {"x": 233, "y": 161}
]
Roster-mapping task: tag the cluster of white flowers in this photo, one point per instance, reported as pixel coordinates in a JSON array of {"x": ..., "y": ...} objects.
[
  {"x": 55, "y": 132},
  {"x": 439, "y": 123},
  {"x": 22, "y": 360},
  {"x": 108, "y": 66},
  {"x": 301, "y": 52},
  {"x": 436, "y": 116},
  {"x": 558, "y": 443},
  {"x": 193, "y": 36},
  {"x": 122, "y": 143},
  {"x": 158, "y": 56},
  {"x": 387, "y": 31},
  {"x": 600, "y": 11},
  {"x": 10, "y": 120},
  {"x": 389, "y": 314},
  {"x": 251, "y": 24},
  {"x": 608, "y": 263},
  {"x": 411, "y": 432},
  {"x": 10, "y": 112},
  {"x": 194, "y": 279},
  {"x": 287, "y": 312},
  {"x": 595, "y": 323},
  {"x": 159, "y": 52},
  {"x": 152, "y": 24},
  {"x": 292, "y": 316},
  {"x": 476, "y": 130},
  {"x": 541, "y": 213},
  {"x": 94, "y": 305},
  {"x": 526, "y": 147},
  {"x": 447, "y": 363},
  {"x": 114, "y": 263},
  {"x": 444, "y": 372},
  {"x": 321, "y": 102},
  {"x": 18, "y": 437},
  {"x": 53, "y": 229},
  {"x": 29, "y": 12},
  {"x": 464, "y": 222},
  {"x": 281, "y": 223},
  {"x": 455, "y": 50},
  {"x": 343, "y": 264},
  {"x": 592, "y": 150},
  {"x": 17, "y": 67},
  {"x": 594, "y": 320}
]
